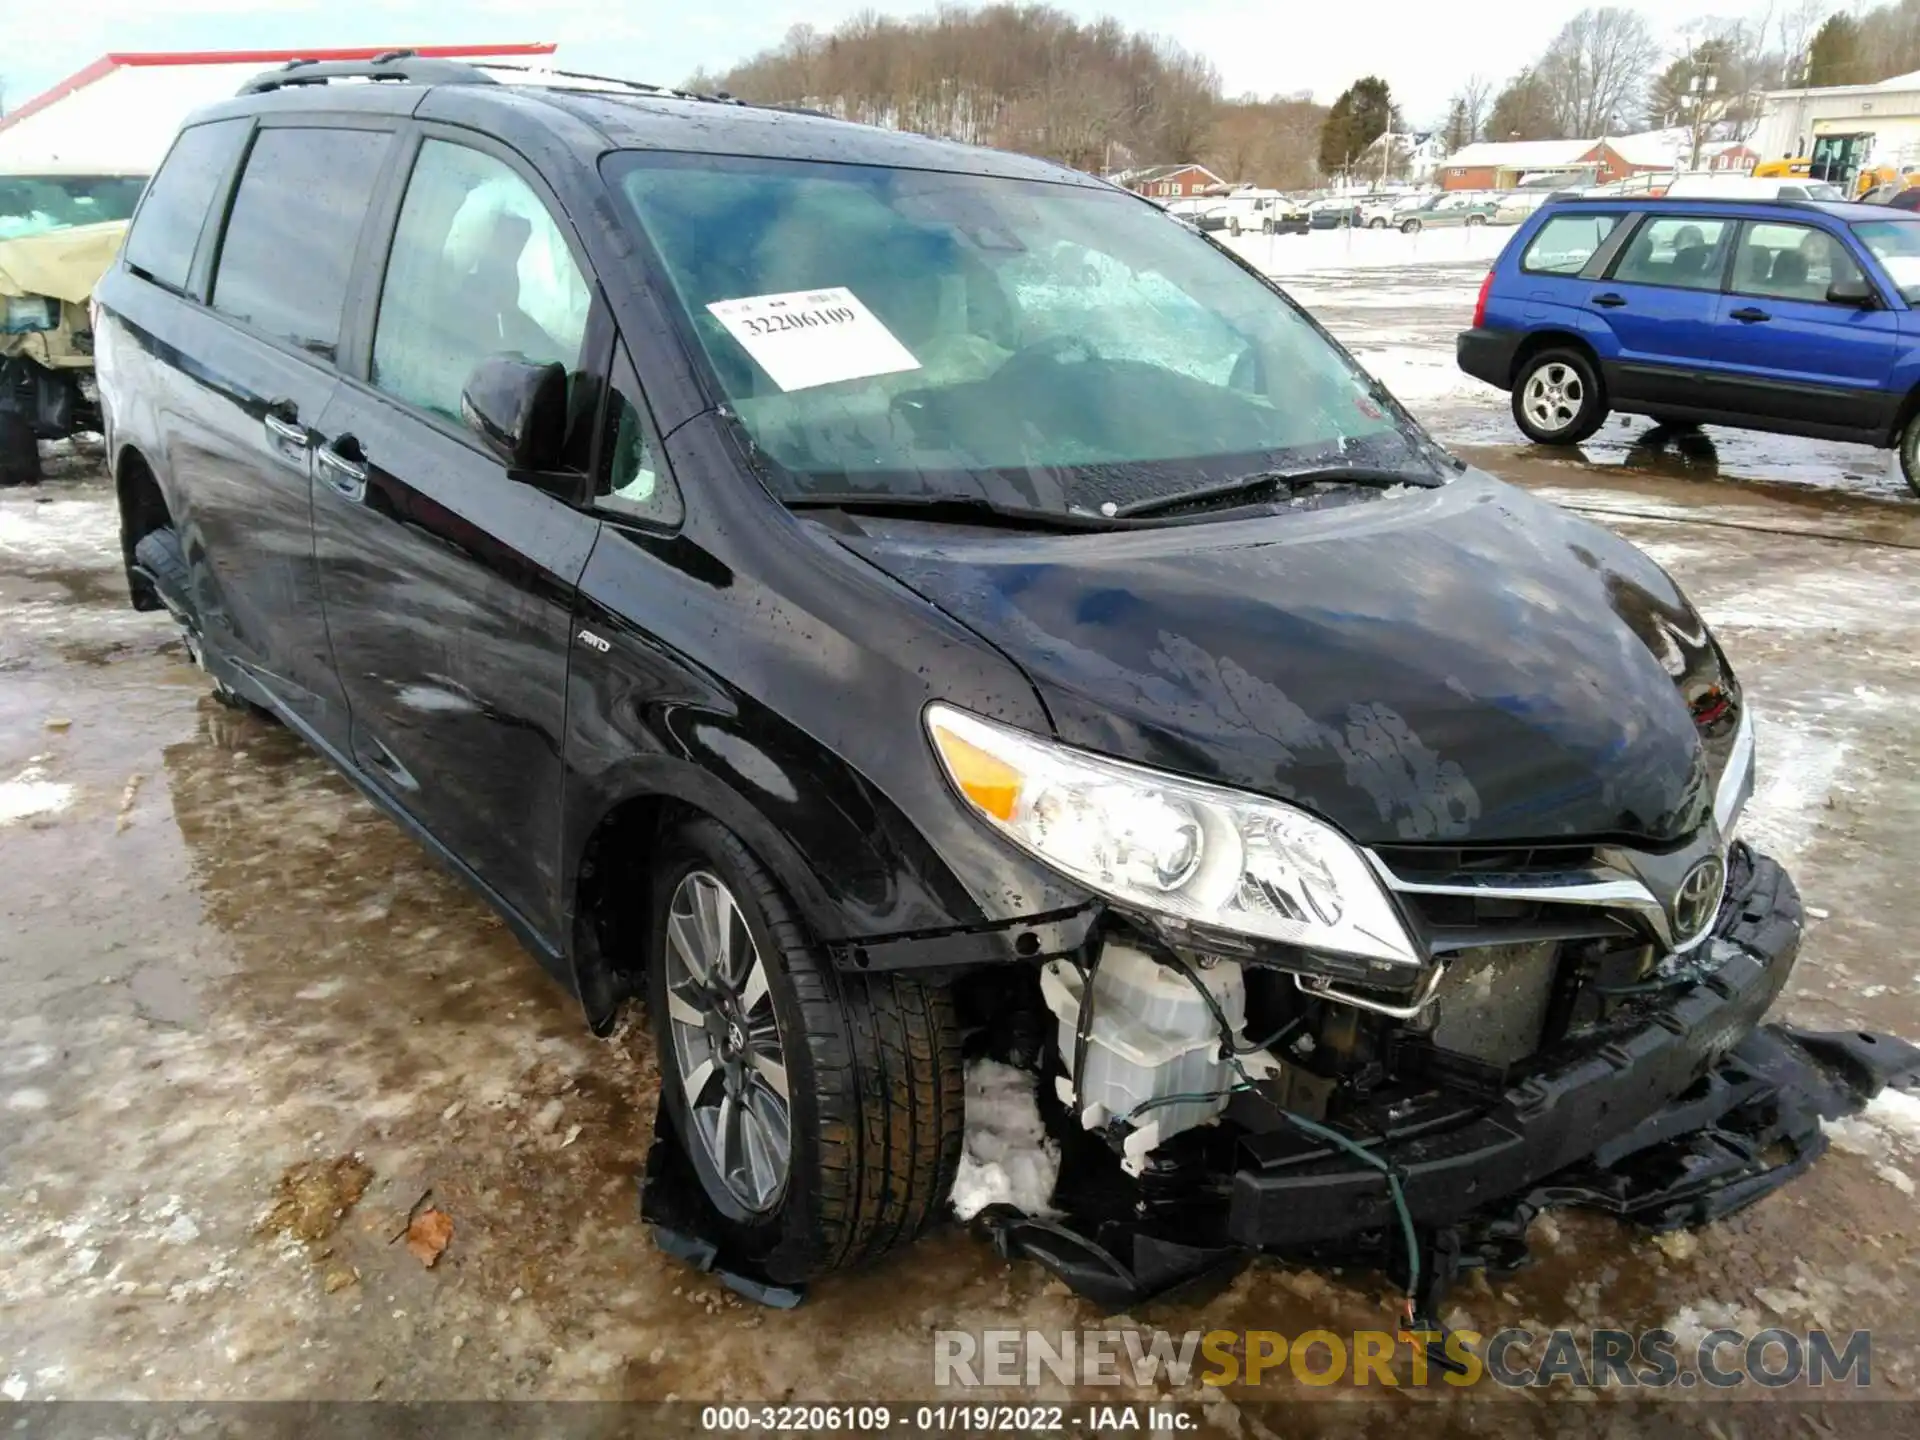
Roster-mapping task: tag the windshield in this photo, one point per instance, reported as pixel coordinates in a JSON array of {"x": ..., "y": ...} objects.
[
  {"x": 906, "y": 333},
  {"x": 1896, "y": 245},
  {"x": 34, "y": 204}
]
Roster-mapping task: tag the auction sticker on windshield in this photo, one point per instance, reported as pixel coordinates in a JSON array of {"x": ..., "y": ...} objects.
[{"x": 813, "y": 337}]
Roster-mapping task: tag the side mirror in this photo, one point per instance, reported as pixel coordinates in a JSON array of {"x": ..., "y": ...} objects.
[
  {"x": 519, "y": 407},
  {"x": 1854, "y": 290}
]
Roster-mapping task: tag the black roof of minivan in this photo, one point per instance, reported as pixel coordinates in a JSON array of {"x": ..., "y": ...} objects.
[{"x": 631, "y": 116}]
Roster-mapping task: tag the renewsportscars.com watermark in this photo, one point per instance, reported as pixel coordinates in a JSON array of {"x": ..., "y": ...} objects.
[{"x": 1513, "y": 1358}]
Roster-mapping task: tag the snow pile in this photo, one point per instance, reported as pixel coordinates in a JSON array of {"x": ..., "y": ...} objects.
[
  {"x": 1009, "y": 1158},
  {"x": 30, "y": 793},
  {"x": 1887, "y": 1130}
]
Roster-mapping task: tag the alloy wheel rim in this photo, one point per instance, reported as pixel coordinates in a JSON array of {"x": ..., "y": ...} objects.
[
  {"x": 1554, "y": 396},
  {"x": 726, "y": 1043}
]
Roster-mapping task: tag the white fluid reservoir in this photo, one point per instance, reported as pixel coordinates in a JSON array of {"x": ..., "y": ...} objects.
[{"x": 1152, "y": 1036}]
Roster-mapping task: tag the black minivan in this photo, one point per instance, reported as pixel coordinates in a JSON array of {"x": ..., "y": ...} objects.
[{"x": 869, "y": 596}]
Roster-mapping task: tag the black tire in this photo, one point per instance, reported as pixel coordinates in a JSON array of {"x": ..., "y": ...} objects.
[
  {"x": 1379, "y": 222},
  {"x": 877, "y": 1111},
  {"x": 1266, "y": 227},
  {"x": 1910, "y": 452},
  {"x": 159, "y": 554},
  {"x": 1233, "y": 227},
  {"x": 19, "y": 452},
  {"x": 1575, "y": 391},
  {"x": 1476, "y": 220},
  {"x": 1409, "y": 227}
]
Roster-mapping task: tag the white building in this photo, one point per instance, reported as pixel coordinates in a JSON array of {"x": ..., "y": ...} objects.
[
  {"x": 1416, "y": 158},
  {"x": 1844, "y": 128},
  {"x": 122, "y": 111}
]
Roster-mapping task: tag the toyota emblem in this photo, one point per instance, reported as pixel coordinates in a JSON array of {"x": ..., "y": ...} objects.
[{"x": 1697, "y": 901}]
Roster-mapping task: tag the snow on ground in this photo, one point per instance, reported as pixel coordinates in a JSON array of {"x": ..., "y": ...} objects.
[
  {"x": 57, "y": 532},
  {"x": 1009, "y": 1159},
  {"x": 1323, "y": 251},
  {"x": 31, "y": 794}
]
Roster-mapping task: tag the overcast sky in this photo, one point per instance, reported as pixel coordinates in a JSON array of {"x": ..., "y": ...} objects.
[{"x": 1423, "y": 48}]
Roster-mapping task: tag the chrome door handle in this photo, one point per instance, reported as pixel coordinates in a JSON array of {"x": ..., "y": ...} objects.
[
  {"x": 287, "y": 431},
  {"x": 348, "y": 477}
]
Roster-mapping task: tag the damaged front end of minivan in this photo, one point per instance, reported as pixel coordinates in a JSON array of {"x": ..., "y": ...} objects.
[{"x": 1359, "y": 1025}]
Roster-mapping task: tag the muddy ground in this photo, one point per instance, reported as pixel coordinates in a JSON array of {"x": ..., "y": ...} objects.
[{"x": 222, "y": 974}]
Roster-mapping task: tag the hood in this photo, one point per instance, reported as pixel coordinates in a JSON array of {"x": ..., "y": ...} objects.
[
  {"x": 1466, "y": 664},
  {"x": 65, "y": 264}
]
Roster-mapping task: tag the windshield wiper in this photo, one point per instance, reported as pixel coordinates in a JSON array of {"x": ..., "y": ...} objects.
[
  {"x": 953, "y": 509},
  {"x": 1242, "y": 486}
]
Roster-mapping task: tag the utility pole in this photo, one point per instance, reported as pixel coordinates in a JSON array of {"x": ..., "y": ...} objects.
[{"x": 1700, "y": 90}]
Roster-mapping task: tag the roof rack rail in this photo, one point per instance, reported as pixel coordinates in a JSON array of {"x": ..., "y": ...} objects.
[
  {"x": 671, "y": 92},
  {"x": 645, "y": 87},
  {"x": 404, "y": 67}
]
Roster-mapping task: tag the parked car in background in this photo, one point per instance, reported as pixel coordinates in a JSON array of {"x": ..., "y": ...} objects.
[
  {"x": 59, "y": 229},
  {"x": 1287, "y": 216},
  {"x": 1336, "y": 212},
  {"x": 1377, "y": 212},
  {"x": 1797, "y": 317},
  {"x": 1442, "y": 211},
  {"x": 1517, "y": 205},
  {"x": 1245, "y": 210},
  {"x": 1713, "y": 185}
]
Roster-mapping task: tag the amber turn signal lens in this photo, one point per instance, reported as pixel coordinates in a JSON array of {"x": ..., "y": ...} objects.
[{"x": 988, "y": 781}]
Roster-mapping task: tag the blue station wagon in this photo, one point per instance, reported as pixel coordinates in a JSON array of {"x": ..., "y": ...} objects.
[{"x": 1791, "y": 316}]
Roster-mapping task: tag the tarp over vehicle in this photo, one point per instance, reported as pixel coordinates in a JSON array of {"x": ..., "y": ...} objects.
[{"x": 65, "y": 264}]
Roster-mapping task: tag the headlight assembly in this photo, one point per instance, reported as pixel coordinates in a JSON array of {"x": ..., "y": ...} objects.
[
  {"x": 1192, "y": 852},
  {"x": 31, "y": 312}
]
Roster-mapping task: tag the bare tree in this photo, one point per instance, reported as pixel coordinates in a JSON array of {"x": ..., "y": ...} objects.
[
  {"x": 1595, "y": 71},
  {"x": 1027, "y": 78},
  {"x": 1269, "y": 142},
  {"x": 1796, "y": 25},
  {"x": 1476, "y": 100}
]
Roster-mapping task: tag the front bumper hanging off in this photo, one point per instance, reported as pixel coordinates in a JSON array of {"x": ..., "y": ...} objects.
[
  {"x": 1688, "y": 1113},
  {"x": 1682, "y": 1111}
]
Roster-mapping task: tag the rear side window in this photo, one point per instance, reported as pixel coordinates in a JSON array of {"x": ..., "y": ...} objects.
[
  {"x": 1677, "y": 250},
  {"x": 288, "y": 253},
  {"x": 163, "y": 238},
  {"x": 1566, "y": 243},
  {"x": 478, "y": 268}
]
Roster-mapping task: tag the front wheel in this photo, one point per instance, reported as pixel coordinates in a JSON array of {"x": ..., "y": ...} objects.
[
  {"x": 160, "y": 557},
  {"x": 1233, "y": 228},
  {"x": 19, "y": 452},
  {"x": 1377, "y": 223},
  {"x": 823, "y": 1111},
  {"x": 1557, "y": 398},
  {"x": 1409, "y": 227},
  {"x": 1473, "y": 220},
  {"x": 1910, "y": 453}
]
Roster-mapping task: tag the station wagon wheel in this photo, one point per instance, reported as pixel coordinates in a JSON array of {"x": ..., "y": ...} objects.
[
  {"x": 1409, "y": 227},
  {"x": 726, "y": 1042},
  {"x": 1557, "y": 398},
  {"x": 820, "y": 1110},
  {"x": 1910, "y": 453}
]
